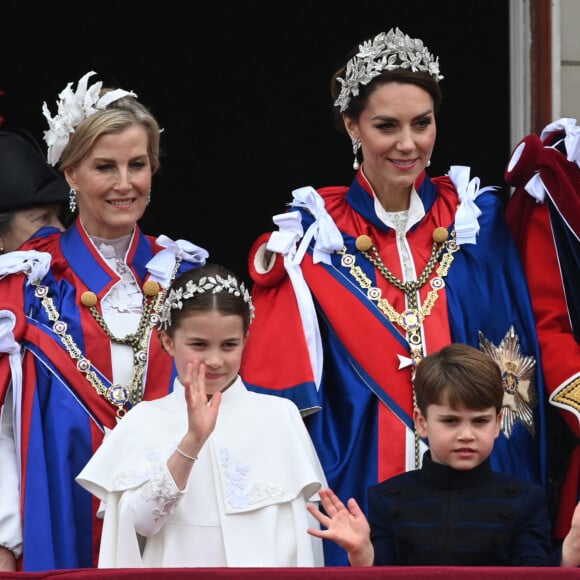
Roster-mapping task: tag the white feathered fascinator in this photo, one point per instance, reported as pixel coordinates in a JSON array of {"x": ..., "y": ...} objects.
[{"x": 73, "y": 108}]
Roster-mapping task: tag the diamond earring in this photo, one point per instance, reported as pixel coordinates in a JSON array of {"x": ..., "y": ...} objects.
[{"x": 72, "y": 199}]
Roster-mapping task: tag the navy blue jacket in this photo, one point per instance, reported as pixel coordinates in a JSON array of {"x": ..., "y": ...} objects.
[{"x": 437, "y": 515}]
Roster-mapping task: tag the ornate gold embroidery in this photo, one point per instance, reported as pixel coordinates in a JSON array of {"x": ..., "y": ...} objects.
[
  {"x": 117, "y": 394},
  {"x": 568, "y": 396}
]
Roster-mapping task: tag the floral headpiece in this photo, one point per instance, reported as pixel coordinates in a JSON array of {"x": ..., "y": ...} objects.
[
  {"x": 386, "y": 51},
  {"x": 73, "y": 109},
  {"x": 213, "y": 284}
]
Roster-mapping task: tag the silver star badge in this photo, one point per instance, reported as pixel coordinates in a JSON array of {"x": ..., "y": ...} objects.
[{"x": 518, "y": 377}]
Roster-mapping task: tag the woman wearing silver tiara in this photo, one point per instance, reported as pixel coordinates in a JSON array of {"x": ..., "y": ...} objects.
[
  {"x": 78, "y": 324},
  {"x": 212, "y": 474},
  {"x": 359, "y": 283}
]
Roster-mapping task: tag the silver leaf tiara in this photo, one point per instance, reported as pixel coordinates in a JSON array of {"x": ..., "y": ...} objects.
[
  {"x": 73, "y": 108},
  {"x": 213, "y": 284},
  {"x": 386, "y": 51}
]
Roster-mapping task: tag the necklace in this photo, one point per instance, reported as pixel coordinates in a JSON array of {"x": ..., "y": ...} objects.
[
  {"x": 412, "y": 318},
  {"x": 117, "y": 394},
  {"x": 136, "y": 339}
]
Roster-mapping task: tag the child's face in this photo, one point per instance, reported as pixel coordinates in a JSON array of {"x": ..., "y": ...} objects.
[
  {"x": 212, "y": 338},
  {"x": 460, "y": 438}
]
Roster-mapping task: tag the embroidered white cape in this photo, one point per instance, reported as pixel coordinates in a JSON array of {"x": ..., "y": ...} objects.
[{"x": 245, "y": 502}]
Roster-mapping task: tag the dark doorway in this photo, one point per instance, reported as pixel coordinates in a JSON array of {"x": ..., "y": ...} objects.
[{"x": 241, "y": 89}]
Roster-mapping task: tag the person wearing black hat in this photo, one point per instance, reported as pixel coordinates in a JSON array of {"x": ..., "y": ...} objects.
[{"x": 32, "y": 193}]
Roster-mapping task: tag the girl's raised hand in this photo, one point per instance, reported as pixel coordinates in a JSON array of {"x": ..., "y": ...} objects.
[
  {"x": 202, "y": 415},
  {"x": 201, "y": 419}
]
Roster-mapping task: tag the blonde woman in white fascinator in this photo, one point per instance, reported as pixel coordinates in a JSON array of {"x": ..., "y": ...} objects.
[{"x": 83, "y": 307}]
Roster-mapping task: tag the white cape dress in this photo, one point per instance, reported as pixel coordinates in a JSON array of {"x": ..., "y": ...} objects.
[{"x": 245, "y": 502}]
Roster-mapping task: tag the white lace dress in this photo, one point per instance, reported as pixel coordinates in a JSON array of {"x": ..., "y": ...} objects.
[{"x": 122, "y": 306}]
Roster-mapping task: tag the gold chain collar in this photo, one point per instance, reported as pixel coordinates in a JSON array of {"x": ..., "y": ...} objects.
[
  {"x": 412, "y": 318},
  {"x": 117, "y": 394}
]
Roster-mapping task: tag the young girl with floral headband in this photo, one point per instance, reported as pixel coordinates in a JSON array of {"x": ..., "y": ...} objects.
[
  {"x": 78, "y": 326},
  {"x": 212, "y": 474}
]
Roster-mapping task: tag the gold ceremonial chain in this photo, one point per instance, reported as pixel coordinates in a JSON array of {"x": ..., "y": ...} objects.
[
  {"x": 411, "y": 319},
  {"x": 117, "y": 394},
  {"x": 134, "y": 340}
]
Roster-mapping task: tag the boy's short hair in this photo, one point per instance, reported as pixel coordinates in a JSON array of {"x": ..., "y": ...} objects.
[{"x": 458, "y": 375}]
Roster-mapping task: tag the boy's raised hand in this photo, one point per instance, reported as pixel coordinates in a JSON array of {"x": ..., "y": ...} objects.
[{"x": 347, "y": 526}]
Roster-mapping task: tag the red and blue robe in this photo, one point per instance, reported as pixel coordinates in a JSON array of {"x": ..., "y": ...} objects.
[
  {"x": 360, "y": 413},
  {"x": 544, "y": 215},
  {"x": 63, "y": 416}
]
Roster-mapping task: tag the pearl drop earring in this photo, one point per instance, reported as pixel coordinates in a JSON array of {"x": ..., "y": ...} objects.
[{"x": 356, "y": 144}]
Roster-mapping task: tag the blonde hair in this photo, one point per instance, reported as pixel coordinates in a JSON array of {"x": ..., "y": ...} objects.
[{"x": 118, "y": 116}]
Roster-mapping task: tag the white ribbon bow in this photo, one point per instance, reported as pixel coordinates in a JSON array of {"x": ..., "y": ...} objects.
[
  {"x": 327, "y": 236},
  {"x": 536, "y": 188},
  {"x": 161, "y": 266},
  {"x": 285, "y": 240},
  {"x": 571, "y": 140},
  {"x": 466, "y": 224},
  {"x": 34, "y": 264}
]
